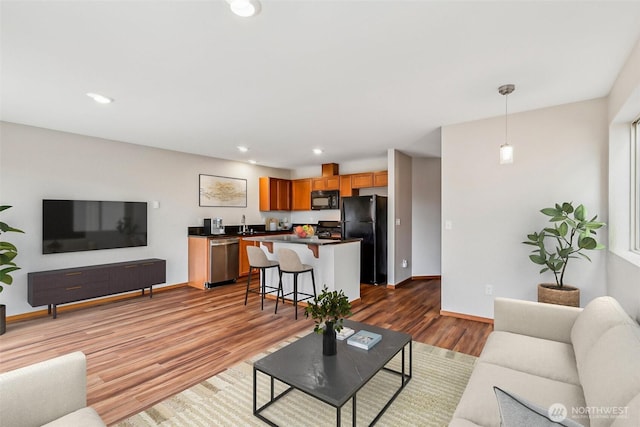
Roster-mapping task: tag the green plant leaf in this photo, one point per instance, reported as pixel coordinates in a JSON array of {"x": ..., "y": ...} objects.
[
  {"x": 7, "y": 228},
  {"x": 538, "y": 259},
  {"x": 567, "y": 207},
  {"x": 8, "y": 247},
  {"x": 552, "y": 212},
  {"x": 580, "y": 213},
  {"x": 6, "y": 258},
  {"x": 564, "y": 253},
  {"x": 5, "y": 278},
  {"x": 587, "y": 243},
  {"x": 563, "y": 229},
  {"x": 552, "y": 231}
]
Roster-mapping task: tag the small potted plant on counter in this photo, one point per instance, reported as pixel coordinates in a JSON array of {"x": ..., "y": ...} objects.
[
  {"x": 328, "y": 310},
  {"x": 571, "y": 234}
]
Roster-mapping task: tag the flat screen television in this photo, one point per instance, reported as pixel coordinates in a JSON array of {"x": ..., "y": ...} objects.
[{"x": 86, "y": 225}]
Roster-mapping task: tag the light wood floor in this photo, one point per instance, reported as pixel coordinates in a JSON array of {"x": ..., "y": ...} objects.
[{"x": 140, "y": 350}]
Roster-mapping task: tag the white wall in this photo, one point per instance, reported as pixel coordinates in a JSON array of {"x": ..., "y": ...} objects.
[
  {"x": 560, "y": 155},
  {"x": 426, "y": 217},
  {"x": 37, "y": 163},
  {"x": 399, "y": 210},
  {"x": 623, "y": 265}
]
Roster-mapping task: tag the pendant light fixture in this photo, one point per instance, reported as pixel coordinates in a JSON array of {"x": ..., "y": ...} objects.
[{"x": 506, "y": 150}]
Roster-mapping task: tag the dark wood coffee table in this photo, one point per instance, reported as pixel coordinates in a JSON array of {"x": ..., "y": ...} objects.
[{"x": 332, "y": 379}]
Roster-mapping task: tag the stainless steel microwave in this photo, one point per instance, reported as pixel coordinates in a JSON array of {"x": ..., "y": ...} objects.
[{"x": 325, "y": 199}]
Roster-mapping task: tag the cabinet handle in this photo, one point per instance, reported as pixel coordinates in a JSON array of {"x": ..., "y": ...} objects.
[
  {"x": 75, "y": 273},
  {"x": 130, "y": 266},
  {"x": 148, "y": 263},
  {"x": 73, "y": 288}
]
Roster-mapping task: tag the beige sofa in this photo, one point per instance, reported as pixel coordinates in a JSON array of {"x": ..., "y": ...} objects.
[
  {"x": 51, "y": 393},
  {"x": 585, "y": 361}
]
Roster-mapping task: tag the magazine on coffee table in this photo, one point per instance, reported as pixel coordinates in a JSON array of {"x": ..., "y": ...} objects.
[
  {"x": 364, "y": 339},
  {"x": 344, "y": 333}
]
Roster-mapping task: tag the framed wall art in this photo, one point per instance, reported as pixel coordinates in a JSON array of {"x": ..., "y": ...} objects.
[{"x": 221, "y": 191}]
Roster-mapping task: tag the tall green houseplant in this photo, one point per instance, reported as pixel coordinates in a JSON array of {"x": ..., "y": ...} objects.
[
  {"x": 572, "y": 233},
  {"x": 8, "y": 252}
]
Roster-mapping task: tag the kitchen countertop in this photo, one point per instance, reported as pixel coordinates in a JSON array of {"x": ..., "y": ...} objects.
[
  {"x": 292, "y": 238},
  {"x": 244, "y": 235}
]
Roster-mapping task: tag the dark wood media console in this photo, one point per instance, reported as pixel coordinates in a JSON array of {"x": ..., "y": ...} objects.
[{"x": 55, "y": 287}]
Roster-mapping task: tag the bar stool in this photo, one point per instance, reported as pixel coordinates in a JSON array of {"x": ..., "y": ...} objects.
[
  {"x": 258, "y": 260},
  {"x": 290, "y": 263}
]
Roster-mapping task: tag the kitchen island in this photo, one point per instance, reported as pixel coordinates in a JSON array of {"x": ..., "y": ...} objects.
[{"x": 336, "y": 263}]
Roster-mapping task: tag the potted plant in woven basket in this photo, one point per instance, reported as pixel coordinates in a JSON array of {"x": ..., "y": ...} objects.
[
  {"x": 8, "y": 252},
  {"x": 328, "y": 310},
  {"x": 571, "y": 234}
]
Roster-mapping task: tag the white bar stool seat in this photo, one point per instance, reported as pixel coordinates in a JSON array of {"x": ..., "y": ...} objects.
[
  {"x": 258, "y": 260},
  {"x": 290, "y": 263}
]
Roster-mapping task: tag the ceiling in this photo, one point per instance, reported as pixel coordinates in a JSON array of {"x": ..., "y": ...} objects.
[{"x": 354, "y": 78}]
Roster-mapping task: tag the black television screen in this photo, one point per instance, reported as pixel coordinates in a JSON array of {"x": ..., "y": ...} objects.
[{"x": 85, "y": 225}]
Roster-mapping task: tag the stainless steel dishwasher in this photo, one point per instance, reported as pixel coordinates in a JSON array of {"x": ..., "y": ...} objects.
[{"x": 224, "y": 260}]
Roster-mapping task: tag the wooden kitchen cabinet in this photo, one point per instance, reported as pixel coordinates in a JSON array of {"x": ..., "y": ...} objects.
[
  {"x": 362, "y": 180},
  {"x": 325, "y": 183},
  {"x": 244, "y": 258},
  {"x": 346, "y": 190},
  {"x": 380, "y": 179},
  {"x": 301, "y": 194},
  {"x": 275, "y": 194}
]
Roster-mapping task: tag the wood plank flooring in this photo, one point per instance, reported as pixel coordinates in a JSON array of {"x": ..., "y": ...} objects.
[{"x": 140, "y": 350}]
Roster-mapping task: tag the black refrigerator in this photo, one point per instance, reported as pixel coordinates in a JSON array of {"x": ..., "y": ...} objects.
[{"x": 365, "y": 217}]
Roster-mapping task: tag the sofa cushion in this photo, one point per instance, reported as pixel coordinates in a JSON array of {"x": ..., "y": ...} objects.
[
  {"x": 537, "y": 356},
  {"x": 478, "y": 403},
  {"x": 598, "y": 316},
  {"x": 547, "y": 321},
  {"x": 518, "y": 412},
  {"x": 85, "y": 417},
  {"x": 45, "y": 391},
  {"x": 610, "y": 374},
  {"x": 632, "y": 416}
]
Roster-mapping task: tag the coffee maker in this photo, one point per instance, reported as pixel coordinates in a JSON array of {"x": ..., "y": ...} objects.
[{"x": 213, "y": 226}]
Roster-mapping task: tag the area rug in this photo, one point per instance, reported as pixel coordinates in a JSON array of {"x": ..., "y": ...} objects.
[{"x": 430, "y": 398}]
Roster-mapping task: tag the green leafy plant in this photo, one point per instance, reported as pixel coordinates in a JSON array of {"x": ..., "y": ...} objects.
[
  {"x": 331, "y": 306},
  {"x": 571, "y": 234},
  {"x": 8, "y": 252}
]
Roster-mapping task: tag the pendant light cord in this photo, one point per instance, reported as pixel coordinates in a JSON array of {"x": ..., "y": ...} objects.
[{"x": 506, "y": 118}]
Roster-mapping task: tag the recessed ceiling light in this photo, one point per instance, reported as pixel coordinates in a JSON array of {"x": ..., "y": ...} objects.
[
  {"x": 244, "y": 8},
  {"x": 101, "y": 99},
  {"x": 317, "y": 151},
  {"x": 253, "y": 162},
  {"x": 242, "y": 148}
]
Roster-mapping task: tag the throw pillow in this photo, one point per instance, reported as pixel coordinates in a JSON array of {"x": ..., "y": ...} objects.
[{"x": 517, "y": 412}]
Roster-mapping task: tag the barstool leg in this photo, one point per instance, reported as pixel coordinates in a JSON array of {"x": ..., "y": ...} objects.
[
  {"x": 262, "y": 273},
  {"x": 279, "y": 290},
  {"x": 313, "y": 282},
  {"x": 246, "y": 295},
  {"x": 280, "y": 272},
  {"x": 295, "y": 294}
]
